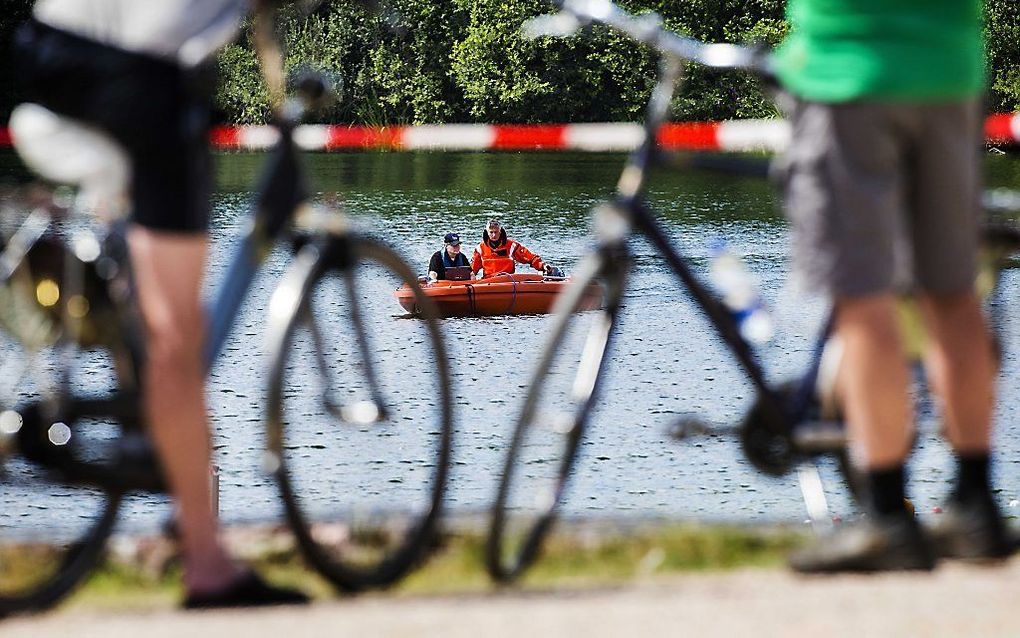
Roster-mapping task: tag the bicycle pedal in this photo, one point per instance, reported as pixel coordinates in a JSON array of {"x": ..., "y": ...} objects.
[{"x": 820, "y": 437}]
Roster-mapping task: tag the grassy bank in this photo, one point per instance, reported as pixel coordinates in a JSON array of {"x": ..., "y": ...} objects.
[{"x": 142, "y": 573}]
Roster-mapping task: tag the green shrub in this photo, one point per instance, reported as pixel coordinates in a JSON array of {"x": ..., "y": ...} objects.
[{"x": 431, "y": 61}]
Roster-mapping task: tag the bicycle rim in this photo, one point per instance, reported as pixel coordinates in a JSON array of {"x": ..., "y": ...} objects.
[
  {"x": 51, "y": 533},
  {"x": 548, "y": 434},
  {"x": 363, "y": 490},
  {"x": 37, "y": 573}
]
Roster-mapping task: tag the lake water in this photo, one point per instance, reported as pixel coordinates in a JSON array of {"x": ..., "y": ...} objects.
[{"x": 665, "y": 361}]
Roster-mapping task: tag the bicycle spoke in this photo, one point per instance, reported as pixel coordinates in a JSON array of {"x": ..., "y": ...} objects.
[
  {"x": 342, "y": 349},
  {"x": 591, "y": 359},
  {"x": 367, "y": 354},
  {"x": 549, "y": 431}
]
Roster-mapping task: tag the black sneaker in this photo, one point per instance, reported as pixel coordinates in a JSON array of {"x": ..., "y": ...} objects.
[
  {"x": 248, "y": 591},
  {"x": 972, "y": 529},
  {"x": 880, "y": 543}
]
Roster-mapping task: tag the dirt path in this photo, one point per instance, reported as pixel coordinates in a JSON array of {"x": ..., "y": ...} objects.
[{"x": 954, "y": 601}]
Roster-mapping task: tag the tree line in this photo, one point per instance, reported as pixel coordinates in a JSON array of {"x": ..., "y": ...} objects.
[{"x": 429, "y": 61}]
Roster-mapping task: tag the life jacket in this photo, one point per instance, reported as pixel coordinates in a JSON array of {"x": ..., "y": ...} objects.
[
  {"x": 461, "y": 259},
  {"x": 504, "y": 257}
]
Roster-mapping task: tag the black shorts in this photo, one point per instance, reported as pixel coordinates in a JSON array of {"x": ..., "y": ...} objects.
[{"x": 159, "y": 112}]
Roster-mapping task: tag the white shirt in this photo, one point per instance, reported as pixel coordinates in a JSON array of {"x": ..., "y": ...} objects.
[{"x": 187, "y": 31}]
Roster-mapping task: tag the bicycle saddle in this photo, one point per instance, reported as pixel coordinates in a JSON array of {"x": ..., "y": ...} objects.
[{"x": 66, "y": 151}]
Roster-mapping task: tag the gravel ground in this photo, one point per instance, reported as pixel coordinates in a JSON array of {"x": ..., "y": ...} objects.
[{"x": 956, "y": 600}]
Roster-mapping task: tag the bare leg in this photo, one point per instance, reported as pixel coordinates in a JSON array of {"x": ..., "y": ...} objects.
[
  {"x": 168, "y": 269},
  {"x": 874, "y": 380},
  {"x": 961, "y": 368}
]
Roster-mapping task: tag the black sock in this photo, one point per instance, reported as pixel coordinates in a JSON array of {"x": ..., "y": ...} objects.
[
  {"x": 887, "y": 490},
  {"x": 972, "y": 475}
]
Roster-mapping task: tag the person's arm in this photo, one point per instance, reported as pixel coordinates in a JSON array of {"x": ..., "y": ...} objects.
[
  {"x": 476, "y": 262},
  {"x": 436, "y": 268},
  {"x": 525, "y": 256}
]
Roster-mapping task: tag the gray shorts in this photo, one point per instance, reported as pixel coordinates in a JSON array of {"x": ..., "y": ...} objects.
[{"x": 884, "y": 197}]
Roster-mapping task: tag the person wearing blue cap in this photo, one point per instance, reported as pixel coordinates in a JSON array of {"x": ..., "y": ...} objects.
[{"x": 449, "y": 256}]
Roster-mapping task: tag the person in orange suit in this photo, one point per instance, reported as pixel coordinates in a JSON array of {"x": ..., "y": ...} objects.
[{"x": 498, "y": 254}]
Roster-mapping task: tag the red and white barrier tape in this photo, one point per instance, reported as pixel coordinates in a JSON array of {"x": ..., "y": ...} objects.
[
  {"x": 732, "y": 135},
  {"x": 737, "y": 135},
  {"x": 1002, "y": 128}
]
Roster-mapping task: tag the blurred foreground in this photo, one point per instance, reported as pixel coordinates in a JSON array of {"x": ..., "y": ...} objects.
[{"x": 598, "y": 578}]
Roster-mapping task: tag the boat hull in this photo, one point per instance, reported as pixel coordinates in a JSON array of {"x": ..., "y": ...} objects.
[{"x": 516, "y": 294}]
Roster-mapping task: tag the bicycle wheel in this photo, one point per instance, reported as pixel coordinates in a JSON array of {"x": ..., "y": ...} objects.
[
  {"x": 41, "y": 560},
  {"x": 360, "y": 414},
  {"x": 51, "y": 533},
  {"x": 548, "y": 434}
]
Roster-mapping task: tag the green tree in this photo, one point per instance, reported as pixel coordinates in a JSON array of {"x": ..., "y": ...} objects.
[
  {"x": 1002, "y": 37},
  {"x": 336, "y": 39},
  {"x": 507, "y": 78},
  {"x": 600, "y": 74},
  {"x": 430, "y": 61},
  {"x": 410, "y": 68}
]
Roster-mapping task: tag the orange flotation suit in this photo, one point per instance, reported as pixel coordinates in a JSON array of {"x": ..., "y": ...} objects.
[{"x": 502, "y": 258}]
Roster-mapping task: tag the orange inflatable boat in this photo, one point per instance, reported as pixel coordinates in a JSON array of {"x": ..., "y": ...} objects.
[{"x": 506, "y": 294}]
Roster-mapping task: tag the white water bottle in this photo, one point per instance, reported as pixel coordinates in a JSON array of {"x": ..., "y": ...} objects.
[{"x": 739, "y": 294}]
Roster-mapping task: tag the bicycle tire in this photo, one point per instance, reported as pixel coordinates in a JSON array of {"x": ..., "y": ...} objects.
[
  {"x": 506, "y": 565},
  {"x": 314, "y": 267},
  {"x": 54, "y": 527},
  {"x": 74, "y": 562}
]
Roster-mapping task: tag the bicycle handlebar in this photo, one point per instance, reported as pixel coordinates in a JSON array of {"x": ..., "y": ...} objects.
[{"x": 648, "y": 29}]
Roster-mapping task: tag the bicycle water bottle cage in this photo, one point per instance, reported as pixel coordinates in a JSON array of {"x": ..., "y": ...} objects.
[{"x": 65, "y": 151}]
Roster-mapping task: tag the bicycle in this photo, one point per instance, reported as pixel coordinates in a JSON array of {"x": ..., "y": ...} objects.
[
  {"x": 787, "y": 425},
  {"x": 72, "y": 438}
]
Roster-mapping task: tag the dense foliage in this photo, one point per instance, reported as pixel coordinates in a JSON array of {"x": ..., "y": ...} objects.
[
  {"x": 465, "y": 60},
  {"x": 1003, "y": 46},
  {"x": 424, "y": 61}
]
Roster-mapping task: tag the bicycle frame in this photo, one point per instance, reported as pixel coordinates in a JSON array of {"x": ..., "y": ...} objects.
[
  {"x": 281, "y": 195},
  {"x": 281, "y": 192},
  {"x": 628, "y": 211},
  {"x": 38, "y": 433},
  {"x": 767, "y": 434},
  {"x": 778, "y": 431}
]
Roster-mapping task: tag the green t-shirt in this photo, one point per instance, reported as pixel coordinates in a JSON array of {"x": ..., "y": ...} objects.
[{"x": 896, "y": 50}]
